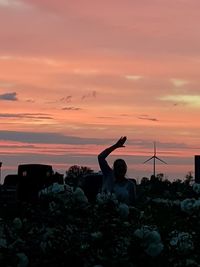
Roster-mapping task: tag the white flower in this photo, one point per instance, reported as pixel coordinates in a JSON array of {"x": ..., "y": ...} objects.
[
  {"x": 84, "y": 246},
  {"x": 3, "y": 243},
  {"x": 52, "y": 206},
  {"x": 196, "y": 188},
  {"x": 23, "y": 260},
  {"x": 181, "y": 241},
  {"x": 191, "y": 262},
  {"x": 99, "y": 198},
  {"x": 49, "y": 233},
  {"x": 161, "y": 201},
  {"x": 166, "y": 202},
  {"x": 196, "y": 205},
  {"x": 127, "y": 224},
  {"x": 96, "y": 235},
  {"x": 18, "y": 242},
  {"x": 142, "y": 214},
  {"x": 139, "y": 233},
  {"x": 43, "y": 246},
  {"x": 68, "y": 188},
  {"x": 153, "y": 237},
  {"x": 177, "y": 202},
  {"x": 17, "y": 223},
  {"x": 123, "y": 210},
  {"x": 103, "y": 198},
  {"x": 150, "y": 240},
  {"x": 154, "y": 249},
  {"x": 54, "y": 188},
  {"x": 143, "y": 231},
  {"x": 190, "y": 205},
  {"x": 187, "y": 205},
  {"x": 79, "y": 195}
]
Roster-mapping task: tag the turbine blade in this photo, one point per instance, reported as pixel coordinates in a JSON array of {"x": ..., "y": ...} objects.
[
  {"x": 160, "y": 160},
  {"x": 148, "y": 159}
]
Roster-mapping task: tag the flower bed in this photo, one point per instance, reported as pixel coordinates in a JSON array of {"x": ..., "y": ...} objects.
[{"x": 64, "y": 229}]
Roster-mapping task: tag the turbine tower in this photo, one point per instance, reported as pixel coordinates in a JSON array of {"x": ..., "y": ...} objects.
[{"x": 154, "y": 157}]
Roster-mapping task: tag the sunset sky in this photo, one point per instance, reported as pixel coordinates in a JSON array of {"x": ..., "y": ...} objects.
[{"x": 77, "y": 75}]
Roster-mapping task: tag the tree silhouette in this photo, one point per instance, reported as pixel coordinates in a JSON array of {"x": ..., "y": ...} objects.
[{"x": 75, "y": 173}]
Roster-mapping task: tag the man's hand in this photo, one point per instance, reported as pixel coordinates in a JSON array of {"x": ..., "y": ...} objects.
[{"x": 121, "y": 141}]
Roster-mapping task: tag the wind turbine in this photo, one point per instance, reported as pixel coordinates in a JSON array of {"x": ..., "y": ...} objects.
[{"x": 154, "y": 157}]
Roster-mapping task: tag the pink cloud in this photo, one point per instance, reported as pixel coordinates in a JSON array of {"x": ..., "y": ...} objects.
[{"x": 139, "y": 28}]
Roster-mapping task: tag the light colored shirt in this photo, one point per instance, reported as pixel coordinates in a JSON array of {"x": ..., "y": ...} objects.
[{"x": 124, "y": 190}]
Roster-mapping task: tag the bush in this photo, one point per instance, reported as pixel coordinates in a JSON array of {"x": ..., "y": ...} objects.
[{"x": 64, "y": 229}]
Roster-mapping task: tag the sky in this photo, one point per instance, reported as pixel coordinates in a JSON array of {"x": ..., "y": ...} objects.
[{"x": 77, "y": 75}]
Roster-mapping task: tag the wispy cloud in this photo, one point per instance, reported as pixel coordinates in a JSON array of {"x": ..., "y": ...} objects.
[
  {"x": 106, "y": 117},
  {"x": 26, "y": 116},
  {"x": 146, "y": 117},
  {"x": 58, "y": 138},
  {"x": 4, "y": 84},
  {"x": 191, "y": 100},
  {"x": 49, "y": 138},
  {"x": 124, "y": 115},
  {"x": 179, "y": 104},
  {"x": 30, "y": 100},
  {"x": 92, "y": 94},
  {"x": 71, "y": 108},
  {"x": 12, "y": 4},
  {"x": 86, "y": 71},
  {"x": 9, "y": 96},
  {"x": 179, "y": 82},
  {"x": 133, "y": 77},
  {"x": 33, "y": 60},
  {"x": 66, "y": 99}
]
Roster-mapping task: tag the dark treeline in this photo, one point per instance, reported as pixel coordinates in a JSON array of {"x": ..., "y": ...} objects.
[{"x": 32, "y": 178}]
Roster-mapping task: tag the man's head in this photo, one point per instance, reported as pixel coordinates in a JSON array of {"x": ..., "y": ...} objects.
[{"x": 119, "y": 168}]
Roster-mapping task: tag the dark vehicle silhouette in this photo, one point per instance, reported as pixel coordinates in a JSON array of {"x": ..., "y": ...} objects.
[
  {"x": 31, "y": 179},
  {"x": 25, "y": 185},
  {"x": 11, "y": 180}
]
